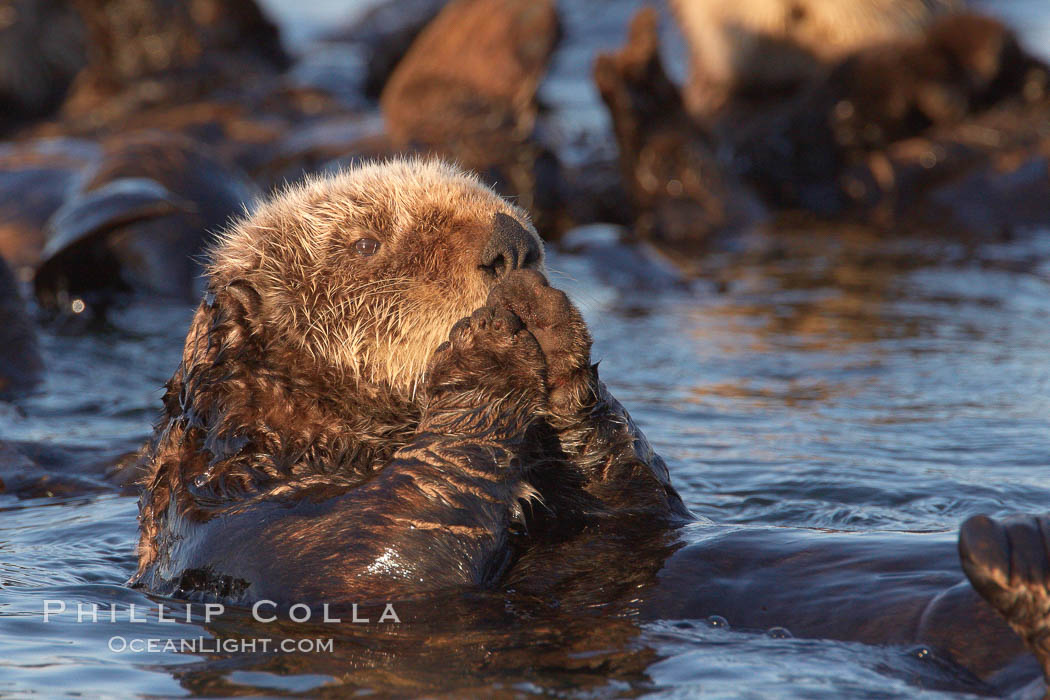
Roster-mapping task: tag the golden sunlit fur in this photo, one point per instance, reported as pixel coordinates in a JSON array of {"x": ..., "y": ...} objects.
[{"x": 363, "y": 316}]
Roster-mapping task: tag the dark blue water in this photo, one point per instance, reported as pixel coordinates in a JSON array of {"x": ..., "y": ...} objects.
[{"x": 819, "y": 379}]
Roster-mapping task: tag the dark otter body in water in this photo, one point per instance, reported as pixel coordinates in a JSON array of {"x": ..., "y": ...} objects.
[
  {"x": 381, "y": 397},
  {"x": 758, "y": 49}
]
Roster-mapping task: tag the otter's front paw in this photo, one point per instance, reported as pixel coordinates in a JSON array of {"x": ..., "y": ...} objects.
[
  {"x": 560, "y": 330},
  {"x": 1008, "y": 563},
  {"x": 489, "y": 355}
]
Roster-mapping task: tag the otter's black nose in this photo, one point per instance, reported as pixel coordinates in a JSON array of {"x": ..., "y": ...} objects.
[{"x": 511, "y": 247}]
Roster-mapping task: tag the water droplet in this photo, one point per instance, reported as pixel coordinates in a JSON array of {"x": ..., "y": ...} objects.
[
  {"x": 201, "y": 480},
  {"x": 922, "y": 654},
  {"x": 779, "y": 633},
  {"x": 718, "y": 622},
  {"x": 78, "y": 306}
]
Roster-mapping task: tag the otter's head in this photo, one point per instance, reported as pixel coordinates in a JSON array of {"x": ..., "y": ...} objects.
[{"x": 364, "y": 272}]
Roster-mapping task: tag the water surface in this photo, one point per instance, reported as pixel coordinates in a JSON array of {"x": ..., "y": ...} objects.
[{"x": 826, "y": 379}]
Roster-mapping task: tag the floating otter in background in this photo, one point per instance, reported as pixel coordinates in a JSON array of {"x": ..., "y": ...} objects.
[
  {"x": 212, "y": 70},
  {"x": 320, "y": 443},
  {"x": 894, "y": 130},
  {"x": 764, "y": 48},
  {"x": 466, "y": 90},
  {"x": 100, "y": 60},
  {"x": 140, "y": 217},
  {"x": 682, "y": 195},
  {"x": 945, "y": 130},
  {"x": 93, "y": 222},
  {"x": 144, "y": 52}
]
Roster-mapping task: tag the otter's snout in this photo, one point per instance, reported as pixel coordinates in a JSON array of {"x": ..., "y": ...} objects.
[{"x": 511, "y": 247}]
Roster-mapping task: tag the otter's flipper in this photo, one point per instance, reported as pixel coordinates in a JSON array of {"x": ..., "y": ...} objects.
[
  {"x": 616, "y": 467},
  {"x": 116, "y": 203},
  {"x": 1008, "y": 563},
  {"x": 130, "y": 233}
]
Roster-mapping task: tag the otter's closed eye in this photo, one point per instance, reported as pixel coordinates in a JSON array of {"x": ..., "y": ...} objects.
[{"x": 366, "y": 246}]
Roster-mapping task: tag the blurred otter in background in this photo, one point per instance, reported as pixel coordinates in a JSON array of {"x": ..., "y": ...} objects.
[
  {"x": 682, "y": 195},
  {"x": 762, "y": 49},
  {"x": 143, "y": 52},
  {"x": 895, "y": 129},
  {"x": 138, "y": 222},
  {"x": 466, "y": 90},
  {"x": 93, "y": 222},
  {"x": 98, "y": 59},
  {"x": 944, "y": 129}
]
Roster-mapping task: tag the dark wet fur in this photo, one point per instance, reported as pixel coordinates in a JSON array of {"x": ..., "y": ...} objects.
[
  {"x": 504, "y": 427},
  {"x": 368, "y": 467},
  {"x": 246, "y": 419}
]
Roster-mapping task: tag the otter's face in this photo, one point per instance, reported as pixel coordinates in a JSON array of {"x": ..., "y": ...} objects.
[{"x": 367, "y": 271}]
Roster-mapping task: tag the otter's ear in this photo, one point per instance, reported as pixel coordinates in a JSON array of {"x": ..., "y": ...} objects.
[
  {"x": 238, "y": 299},
  {"x": 222, "y": 324},
  {"x": 220, "y": 329}
]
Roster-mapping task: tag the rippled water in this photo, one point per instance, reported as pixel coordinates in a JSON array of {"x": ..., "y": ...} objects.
[
  {"x": 824, "y": 379},
  {"x": 813, "y": 378}
]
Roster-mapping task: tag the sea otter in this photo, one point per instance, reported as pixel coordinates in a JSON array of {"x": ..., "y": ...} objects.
[
  {"x": 318, "y": 400},
  {"x": 380, "y": 397},
  {"x": 95, "y": 223}
]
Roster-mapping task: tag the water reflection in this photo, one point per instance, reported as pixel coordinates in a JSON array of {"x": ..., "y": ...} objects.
[{"x": 844, "y": 378}]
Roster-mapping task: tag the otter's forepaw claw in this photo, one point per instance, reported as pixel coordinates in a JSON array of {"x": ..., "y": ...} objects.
[
  {"x": 1008, "y": 563},
  {"x": 489, "y": 354},
  {"x": 558, "y": 327},
  {"x": 487, "y": 327}
]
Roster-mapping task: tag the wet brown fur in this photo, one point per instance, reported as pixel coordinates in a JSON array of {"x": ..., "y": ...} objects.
[{"x": 310, "y": 380}]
